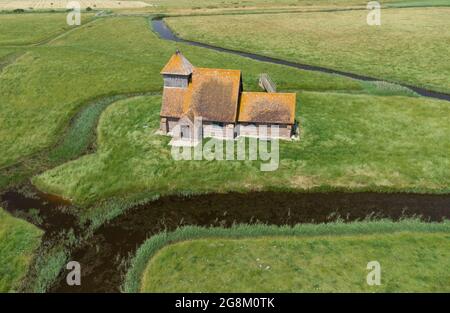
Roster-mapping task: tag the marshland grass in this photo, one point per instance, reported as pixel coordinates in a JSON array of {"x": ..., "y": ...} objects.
[
  {"x": 352, "y": 137},
  {"x": 78, "y": 138},
  {"x": 304, "y": 258},
  {"x": 45, "y": 87},
  {"x": 409, "y": 47},
  {"x": 4, "y": 52},
  {"x": 27, "y": 29},
  {"x": 348, "y": 143},
  {"x": 19, "y": 241},
  {"x": 164, "y": 5}
]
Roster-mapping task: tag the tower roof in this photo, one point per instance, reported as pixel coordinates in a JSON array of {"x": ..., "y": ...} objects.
[{"x": 178, "y": 65}]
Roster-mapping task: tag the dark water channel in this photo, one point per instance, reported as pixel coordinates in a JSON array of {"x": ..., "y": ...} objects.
[{"x": 102, "y": 257}]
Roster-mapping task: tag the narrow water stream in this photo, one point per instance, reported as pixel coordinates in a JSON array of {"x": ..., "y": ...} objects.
[{"x": 52, "y": 217}]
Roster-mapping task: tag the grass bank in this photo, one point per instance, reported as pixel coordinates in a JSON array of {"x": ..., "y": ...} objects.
[
  {"x": 345, "y": 125},
  {"x": 77, "y": 139},
  {"x": 44, "y": 89},
  {"x": 343, "y": 146},
  {"x": 315, "y": 258},
  {"x": 19, "y": 241}
]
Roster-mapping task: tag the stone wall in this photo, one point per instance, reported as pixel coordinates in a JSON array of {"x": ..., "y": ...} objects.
[
  {"x": 167, "y": 124},
  {"x": 257, "y": 130},
  {"x": 222, "y": 130},
  {"x": 230, "y": 131}
]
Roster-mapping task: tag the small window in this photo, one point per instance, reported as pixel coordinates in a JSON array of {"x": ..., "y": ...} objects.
[{"x": 185, "y": 132}]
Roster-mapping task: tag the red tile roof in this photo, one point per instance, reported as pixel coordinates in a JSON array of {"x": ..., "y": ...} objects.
[
  {"x": 172, "y": 102},
  {"x": 213, "y": 94},
  {"x": 262, "y": 107}
]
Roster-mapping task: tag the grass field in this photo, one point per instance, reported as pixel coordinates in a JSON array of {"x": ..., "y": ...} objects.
[
  {"x": 7, "y": 55},
  {"x": 46, "y": 5},
  {"x": 333, "y": 257},
  {"x": 409, "y": 47},
  {"x": 344, "y": 123},
  {"x": 4, "y": 52},
  {"x": 55, "y": 82},
  {"x": 36, "y": 112},
  {"x": 242, "y": 4},
  {"x": 23, "y": 29},
  {"x": 18, "y": 242},
  {"x": 107, "y": 57},
  {"x": 416, "y": 3},
  {"x": 349, "y": 151}
]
